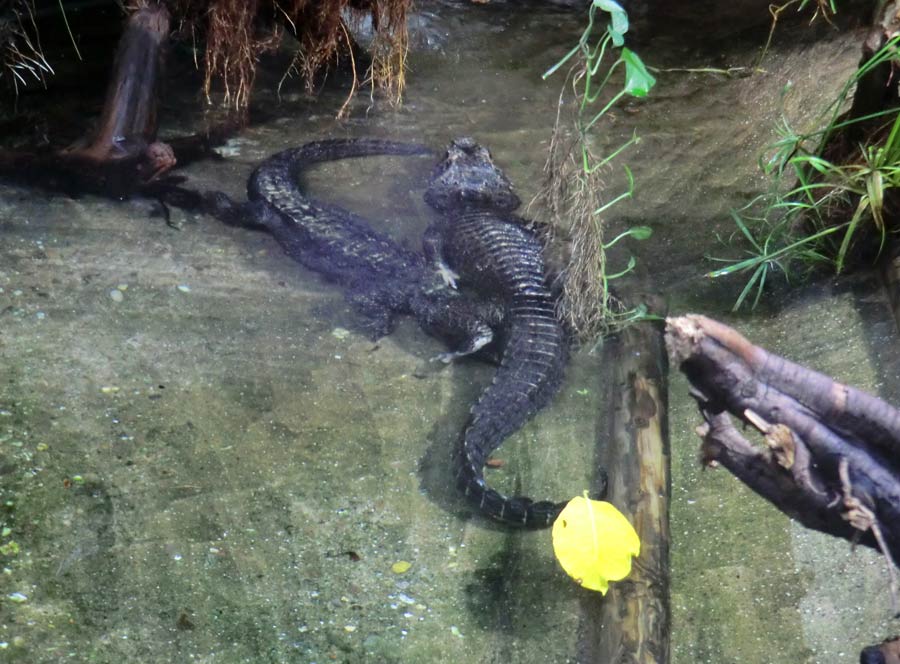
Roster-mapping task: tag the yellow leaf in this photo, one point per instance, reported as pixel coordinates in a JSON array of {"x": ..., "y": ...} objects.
[{"x": 594, "y": 543}]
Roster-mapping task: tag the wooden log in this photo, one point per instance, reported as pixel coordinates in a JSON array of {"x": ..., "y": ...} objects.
[
  {"x": 832, "y": 457},
  {"x": 122, "y": 154},
  {"x": 634, "y": 615},
  {"x": 128, "y": 122}
]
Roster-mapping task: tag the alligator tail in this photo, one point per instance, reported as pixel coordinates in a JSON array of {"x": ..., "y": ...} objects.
[
  {"x": 529, "y": 375},
  {"x": 280, "y": 171},
  {"x": 337, "y": 243},
  {"x": 512, "y": 510}
]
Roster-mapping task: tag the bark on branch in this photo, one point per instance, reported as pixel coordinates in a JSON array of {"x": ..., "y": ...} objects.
[
  {"x": 832, "y": 453},
  {"x": 122, "y": 155}
]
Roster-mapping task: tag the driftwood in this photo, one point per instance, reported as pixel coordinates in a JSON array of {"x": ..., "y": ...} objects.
[
  {"x": 122, "y": 155},
  {"x": 128, "y": 124},
  {"x": 634, "y": 616},
  {"x": 832, "y": 453}
]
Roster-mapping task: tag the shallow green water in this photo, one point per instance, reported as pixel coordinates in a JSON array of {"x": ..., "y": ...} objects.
[{"x": 202, "y": 459}]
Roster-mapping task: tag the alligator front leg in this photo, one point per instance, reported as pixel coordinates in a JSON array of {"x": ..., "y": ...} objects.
[
  {"x": 376, "y": 306},
  {"x": 432, "y": 244}
]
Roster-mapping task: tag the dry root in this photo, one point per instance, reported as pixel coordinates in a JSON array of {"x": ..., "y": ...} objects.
[
  {"x": 22, "y": 58},
  {"x": 570, "y": 195},
  {"x": 238, "y": 32}
]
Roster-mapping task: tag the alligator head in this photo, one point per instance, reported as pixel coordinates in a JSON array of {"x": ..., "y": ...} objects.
[{"x": 468, "y": 178}]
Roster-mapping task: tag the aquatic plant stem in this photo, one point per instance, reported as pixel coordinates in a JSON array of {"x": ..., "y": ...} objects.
[{"x": 572, "y": 190}]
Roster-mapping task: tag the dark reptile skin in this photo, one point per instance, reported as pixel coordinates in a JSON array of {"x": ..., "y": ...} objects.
[
  {"x": 381, "y": 278},
  {"x": 497, "y": 256},
  {"x": 502, "y": 293}
]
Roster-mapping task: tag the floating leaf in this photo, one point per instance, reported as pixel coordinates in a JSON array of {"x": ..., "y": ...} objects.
[{"x": 594, "y": 543}]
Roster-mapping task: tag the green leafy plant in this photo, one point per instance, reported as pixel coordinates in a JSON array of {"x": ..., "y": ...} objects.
[
  {"x": 836, "y": 199},
  {"x": 573, "y": 171}
]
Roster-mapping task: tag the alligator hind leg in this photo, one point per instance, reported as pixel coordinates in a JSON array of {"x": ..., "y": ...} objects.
[
  {"x": 480, "y": 337},
  {"x": 376, "y": 309},
  {"x": 467, "y": 326}
]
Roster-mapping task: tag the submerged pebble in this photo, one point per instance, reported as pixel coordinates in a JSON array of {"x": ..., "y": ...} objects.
[
  {"x": 116, "y": 295},
  {"x": 401, "y": 567}
]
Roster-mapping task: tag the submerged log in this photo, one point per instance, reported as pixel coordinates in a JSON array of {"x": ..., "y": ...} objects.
[
  {"x": 128, "y": 123},
  {"x": 122, "y": 155},
  {"x": 832, "y": 452},
  {"x": 634, "y": 616}
]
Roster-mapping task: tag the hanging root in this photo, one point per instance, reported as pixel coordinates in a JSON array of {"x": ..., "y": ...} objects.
[
  {"x": 238, "y": 32},
  {"x": 232, "y": 49},
  {"x": 20, "y": 48},
  {"x": 571, "y": 194},
  {"x": 389, "y": 50}
]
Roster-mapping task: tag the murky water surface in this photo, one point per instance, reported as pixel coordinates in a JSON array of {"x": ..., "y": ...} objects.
[{"x": 203, "y": 458}]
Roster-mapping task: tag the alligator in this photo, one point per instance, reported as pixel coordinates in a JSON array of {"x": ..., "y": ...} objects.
[
  {"x": 479, "y": 285},
  {"x": 480, "y": 240}
]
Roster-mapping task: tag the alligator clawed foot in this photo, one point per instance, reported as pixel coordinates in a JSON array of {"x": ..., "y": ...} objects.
[
  {"x": 446, "y": 358},
  {"x": 448, "y": 276},
  {"x": 476, "y": 343}
]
